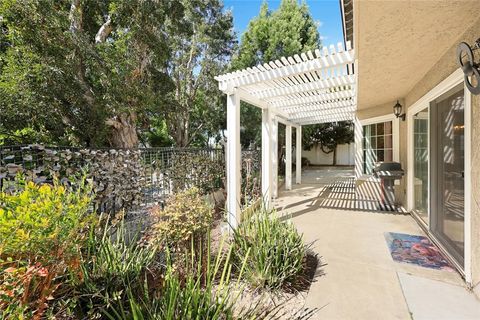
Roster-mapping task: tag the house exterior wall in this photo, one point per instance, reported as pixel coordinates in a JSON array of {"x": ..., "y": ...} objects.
[
  {"x": 444, "y": 67},
  {"x": 397, "y": 42},
  {"x": 345, "y": 155},
  {"x": 441, "y": 70}
]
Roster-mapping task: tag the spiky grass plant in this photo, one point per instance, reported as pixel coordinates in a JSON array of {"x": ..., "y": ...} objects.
[
  {"x": 204, "y": 293},
  {"x": 276, "y": 250},
  {"x": 114, "y": 264}
]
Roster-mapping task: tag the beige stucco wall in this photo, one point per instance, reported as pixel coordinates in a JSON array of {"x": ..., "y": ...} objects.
[
  {"x": 396, "y": 42},
  {"x": 376, "y": 111},
  {"x": 445, "y": 66},
  {"x": 441, "y": 70}
]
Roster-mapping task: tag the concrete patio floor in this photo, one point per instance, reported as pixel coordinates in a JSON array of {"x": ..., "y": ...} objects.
[{"x": 357, "y": 278}]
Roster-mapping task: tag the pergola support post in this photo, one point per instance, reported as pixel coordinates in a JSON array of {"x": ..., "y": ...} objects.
[
  {"x": 233, "y": 160},
  {"x": 267, "y": 177},
  {"x": 274, "y": 151},
  {"x": 298, "y": 156},
  {"x": 288, "y": 156},
  {"x": 358, "y": 139}
]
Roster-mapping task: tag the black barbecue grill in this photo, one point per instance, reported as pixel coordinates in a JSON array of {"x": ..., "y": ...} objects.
[{"x": 388, "y": 172}]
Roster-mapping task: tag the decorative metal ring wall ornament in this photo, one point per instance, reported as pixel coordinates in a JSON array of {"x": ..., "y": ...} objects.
[{"x": 470, "y": 67}]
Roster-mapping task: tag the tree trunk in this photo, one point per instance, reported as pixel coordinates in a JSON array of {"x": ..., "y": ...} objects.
[
  {"x": 179, "y": 133},
  {"x": 123, "y": 131},
  {"x": 335, "y": 156}
]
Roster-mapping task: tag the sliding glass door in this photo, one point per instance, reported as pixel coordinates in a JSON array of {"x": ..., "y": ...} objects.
[
  {"x": 447, "y": 149},
  {"x": 420, "y": 165}
]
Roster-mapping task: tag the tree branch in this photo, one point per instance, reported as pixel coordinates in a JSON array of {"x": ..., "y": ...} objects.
[
  {"x": 326, "y": 151},
  {"x": 104, "y": 31},
  {"x": 75, "y": 16},
  {"x": 194, "y": 134},
  {"x": 76, "y": 25}
]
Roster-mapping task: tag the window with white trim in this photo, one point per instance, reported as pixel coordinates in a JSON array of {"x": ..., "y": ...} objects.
[{"x": 377, "y": 144}]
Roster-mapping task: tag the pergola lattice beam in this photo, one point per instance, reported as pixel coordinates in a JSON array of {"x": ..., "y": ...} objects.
[
  {"x": 339, "y": 112},
  {"x": 319, "y": 120},
  {"x": 317, "y": 98},
  {"x": 289, "y": 67},
  {"x": 320, "y": 84},
  {"x": 315, "y": 107},
  {"x": 296, "y": 86}
]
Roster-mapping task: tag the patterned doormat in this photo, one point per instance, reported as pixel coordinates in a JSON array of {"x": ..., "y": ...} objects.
[{"x": 417, "y": 250}]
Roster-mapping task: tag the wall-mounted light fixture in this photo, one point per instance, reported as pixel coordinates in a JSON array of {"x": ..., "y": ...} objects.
[
  {"x": 397, "y": 111},
  {"x": 471, "y": 69}
]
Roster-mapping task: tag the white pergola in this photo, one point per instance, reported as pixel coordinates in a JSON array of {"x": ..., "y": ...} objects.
[{"x": 312, "y": 87}]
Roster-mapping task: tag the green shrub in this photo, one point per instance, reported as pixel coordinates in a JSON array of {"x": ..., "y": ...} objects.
[
  {"x": 209, "y": 295},
  {"x": 42, "y": 230},
  {"x": 186, "y": 216},
  {"x": 277, "y": 251},
  {"x": 198, "y": 295},
  {"x": 114, "y": 263}
]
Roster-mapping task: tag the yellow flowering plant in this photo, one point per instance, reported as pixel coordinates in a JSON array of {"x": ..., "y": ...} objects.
[{"x": 42, "y": 229}]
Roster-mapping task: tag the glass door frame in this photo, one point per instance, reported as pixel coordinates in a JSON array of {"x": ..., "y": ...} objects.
[
  {"x": 435, "y": 162},
  {"x": 422, "y": 222},
  {"x": 443, "y": 87}
]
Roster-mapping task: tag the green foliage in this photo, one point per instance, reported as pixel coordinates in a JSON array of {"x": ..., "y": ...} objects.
[
  {"x": 38, "y": 219},
  {"x": 158, "y": 135},
  {"x": 287, "y": 31},
  {"x": 114, "y": 265},
  {"x": 97, "y": 73},
  {"x": 42, "y": 230},
  {"x": 328, "y": 136},
  {"x": 284, "y": 32},
  {"x": 208, "y": 294},
  {"x": 61, "y": 76},
  {"x": 185, "y": 217},
  {"x": 197, "y": 106},
  {"x": 23, "y": 136},
  {"x": 276, "y": 250}
]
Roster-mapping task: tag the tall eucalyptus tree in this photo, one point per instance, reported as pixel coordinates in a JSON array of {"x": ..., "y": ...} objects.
[{"x": 84, "y": 71}]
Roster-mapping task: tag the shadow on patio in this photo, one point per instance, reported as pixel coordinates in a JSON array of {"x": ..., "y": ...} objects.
[
  {"x": 357, "y": 277},
  {"x": 333, "y": 188}
]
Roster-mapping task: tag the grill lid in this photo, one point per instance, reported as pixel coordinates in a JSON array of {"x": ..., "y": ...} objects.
[{"x": 388, "y": 169}]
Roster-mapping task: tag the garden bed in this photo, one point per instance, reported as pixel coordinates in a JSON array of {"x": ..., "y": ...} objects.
[
  {"x": 287, "y": 302},
  {"x": 59, "y": 259},
  {"x": 287, "y": 305}
]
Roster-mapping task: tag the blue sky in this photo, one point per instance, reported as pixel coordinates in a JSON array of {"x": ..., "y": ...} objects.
[{"x": 327, "y": 12}]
